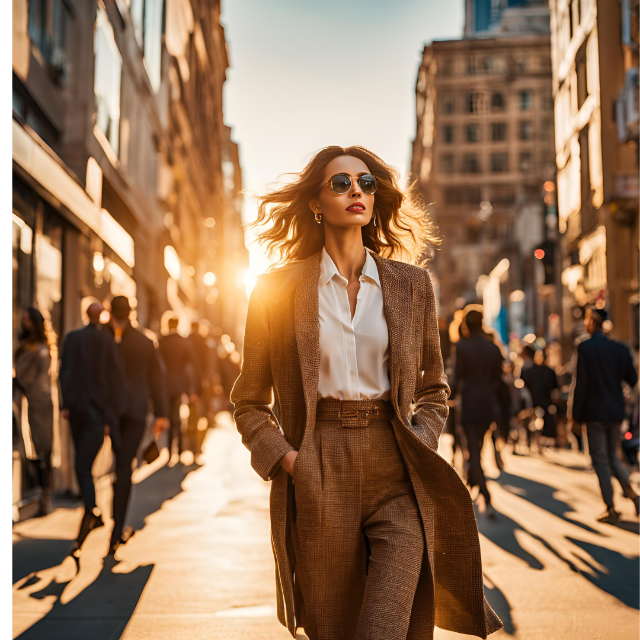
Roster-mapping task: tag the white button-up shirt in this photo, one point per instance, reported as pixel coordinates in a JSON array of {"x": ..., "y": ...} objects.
[{"x": 354, "y": 354}]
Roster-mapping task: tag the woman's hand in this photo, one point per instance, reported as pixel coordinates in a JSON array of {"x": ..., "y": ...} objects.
[{"x": 286, "y": 462}]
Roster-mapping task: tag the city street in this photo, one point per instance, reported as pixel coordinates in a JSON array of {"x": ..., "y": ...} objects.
[{"x": 200, "y": 564}]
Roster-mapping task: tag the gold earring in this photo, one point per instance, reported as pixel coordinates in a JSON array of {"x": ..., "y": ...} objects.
[{"x": 318, "y": 216}]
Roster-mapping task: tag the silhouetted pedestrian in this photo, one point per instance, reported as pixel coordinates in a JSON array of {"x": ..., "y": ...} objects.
[
  {"x": 180, "y": 363},
  {"x": 145, "y": 380},
  {"x": 601, "y": 365},
  {"x": 541, "y": 380},
  {"x": 477, "y": 377},
  {"x": 93, "y": 387},
  {"x": 32, "y": 364}
]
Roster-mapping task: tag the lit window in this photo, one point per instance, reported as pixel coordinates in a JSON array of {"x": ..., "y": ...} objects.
[
  {"x": 47, "y": 28},
  {"x": 106, "y": 82}
]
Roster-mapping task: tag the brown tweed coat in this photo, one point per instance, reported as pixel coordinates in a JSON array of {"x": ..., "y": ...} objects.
[{"x": 281, "y": 357}]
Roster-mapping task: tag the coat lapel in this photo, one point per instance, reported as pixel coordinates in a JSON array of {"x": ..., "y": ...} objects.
[
  {"x": 307, "y": 330},
  {"x": 396, "y": 303}
]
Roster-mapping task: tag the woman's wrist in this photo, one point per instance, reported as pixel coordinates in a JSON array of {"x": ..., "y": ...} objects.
[{"x": 287, "y": 461}]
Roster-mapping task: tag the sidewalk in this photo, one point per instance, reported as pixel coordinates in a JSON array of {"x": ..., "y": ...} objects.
[{"x": 200, "y": 565}]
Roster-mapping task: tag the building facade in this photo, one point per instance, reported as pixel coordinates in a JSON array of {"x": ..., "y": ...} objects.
[
  {"x": 122, "y": 168},
  {"x": 595, "y": 88},
  {"x": 482, "y": 154}
]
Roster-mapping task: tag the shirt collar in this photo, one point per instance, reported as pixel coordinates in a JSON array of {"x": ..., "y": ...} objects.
[{"x": 328, "y": 268}]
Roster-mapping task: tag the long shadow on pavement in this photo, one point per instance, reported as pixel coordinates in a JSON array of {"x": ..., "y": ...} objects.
[
  {"x": 100, "y": 612},
  {"x": 620, "y": 575},
  {"x": 620, "y": 578},
  {"x": 542, "y": 496},
  {"x": 103, "y": 609}
]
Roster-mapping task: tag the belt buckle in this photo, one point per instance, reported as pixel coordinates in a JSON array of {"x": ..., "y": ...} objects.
[{"x": 352, "y": 413}]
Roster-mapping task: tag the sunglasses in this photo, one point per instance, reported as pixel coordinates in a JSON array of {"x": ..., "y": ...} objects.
[{"x": 341, "y": 183}]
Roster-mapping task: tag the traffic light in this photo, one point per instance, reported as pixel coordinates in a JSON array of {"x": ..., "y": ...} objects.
[{"x": 546, "y": 253}]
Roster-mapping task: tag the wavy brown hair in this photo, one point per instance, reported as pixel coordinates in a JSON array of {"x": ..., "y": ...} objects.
[{"x": 403, "y": 231}]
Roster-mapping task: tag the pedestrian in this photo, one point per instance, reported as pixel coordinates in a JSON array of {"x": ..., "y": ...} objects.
[
  {"x": 542, "y": 382},
  {"x": 93, "y": 388},
  {"x": 346, "y": 340},
  {"x": 32, "y": 363},
  {"x": 180, "y": 363},
  {"x": 201, "y": 397},
  {"x": 144, "y": 375},
  {"x": 596, "y": 398},
  {"x": 477, "y": 378}
]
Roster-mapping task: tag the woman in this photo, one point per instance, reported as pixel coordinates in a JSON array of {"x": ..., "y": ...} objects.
[
  {"x": 373, "y": 533},
  {"x": 32, "y": 365}
]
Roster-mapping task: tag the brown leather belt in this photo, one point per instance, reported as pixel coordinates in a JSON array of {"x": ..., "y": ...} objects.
[{"x": 354, "y": 413}]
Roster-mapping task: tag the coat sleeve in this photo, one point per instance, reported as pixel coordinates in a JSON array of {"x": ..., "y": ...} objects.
[
  {"x": 630, "y": 375},
  {"x": 157, "y": 384},
  {"x": 578, "y": 390},
  {"x": 432, "y": 390},
  {"x": 252, "y": 393}
]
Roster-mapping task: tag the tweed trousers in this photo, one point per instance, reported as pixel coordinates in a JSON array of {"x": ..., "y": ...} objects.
[{"x": 371, "y": 542}]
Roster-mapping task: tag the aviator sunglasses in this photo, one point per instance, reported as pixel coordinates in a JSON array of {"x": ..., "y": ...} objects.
[{"x": 341, "y": 183}]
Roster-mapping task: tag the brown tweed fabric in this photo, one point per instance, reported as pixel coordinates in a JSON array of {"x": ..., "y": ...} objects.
[
  {"x": 281, "y": 363},
  {"x": 367, "y": 508}
]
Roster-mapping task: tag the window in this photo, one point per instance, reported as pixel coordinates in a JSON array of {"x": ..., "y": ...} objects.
[
  {"x": 448, "y": 136},
  {"x": 488, "y": 64},
  {"x": 446, "y": 163},
  {"x": 525, "y": 100},
  {"x": 526, "y": 130},
  {"x": 581, "y": 76},
  {"x": 47, "y": 27},
  {"x": 498, "y": 131},
  {"x": 497, "y": 101},
  {"x": 472, "y": 132},
  {"x": 106, "y": 80},
  {"x": 146, "y": 16},
  {"x": 525, "y": 162},
  {"x": 473, "y": 103},
  {"x": 473, "y": 64},
  {"x": 499, "y": 162},
  {"x": 448, "y": 103},
  {"x": 470, "y": 163}
]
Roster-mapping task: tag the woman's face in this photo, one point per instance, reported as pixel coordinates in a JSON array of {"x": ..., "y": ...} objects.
[{"x": 351, "y": 209}]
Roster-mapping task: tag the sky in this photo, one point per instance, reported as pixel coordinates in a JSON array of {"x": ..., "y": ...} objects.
[{"x": 304, "y": 75}]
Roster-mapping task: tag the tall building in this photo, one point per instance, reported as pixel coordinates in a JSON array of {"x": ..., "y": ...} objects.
[
  {"x": 595, "y": 88},
  {"x": 125, "y": 178},
  {"x": 489, "y": 17},
  {"x": 482, "y": 154}
]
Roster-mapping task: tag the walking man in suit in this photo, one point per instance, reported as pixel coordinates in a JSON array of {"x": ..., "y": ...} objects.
[
  {"x": 180, "y": 362},
  {"x": 93, "y": 386},
  {"x": 145, "y": 379},
  {"x": 477, "y": 377},
  {"x": 596, "y": 398}
]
